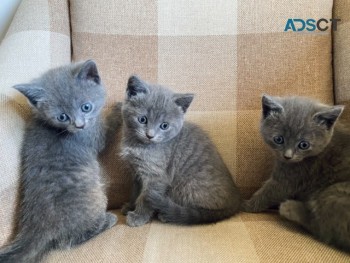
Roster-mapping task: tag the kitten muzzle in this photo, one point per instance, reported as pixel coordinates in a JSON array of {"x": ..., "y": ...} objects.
[
  {"x": 79, "y": 124},
  {"x": 150, "y": 134},
  {"x": 288, "y": 154}
]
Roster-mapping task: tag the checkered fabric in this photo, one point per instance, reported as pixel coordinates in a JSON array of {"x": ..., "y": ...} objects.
[
  {"x": 228, "y": 52},
  {"x": 246, "y": 238}
]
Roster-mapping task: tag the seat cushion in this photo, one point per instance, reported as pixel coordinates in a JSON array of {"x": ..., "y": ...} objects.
[
  {"x": 227, "y": 52},
  {"x": 244, "y": 238}
]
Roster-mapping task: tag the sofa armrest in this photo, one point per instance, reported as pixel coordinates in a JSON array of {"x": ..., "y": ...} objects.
[
  {"x": 38, "y": 39},
  {"x": 341, "y": 53}
]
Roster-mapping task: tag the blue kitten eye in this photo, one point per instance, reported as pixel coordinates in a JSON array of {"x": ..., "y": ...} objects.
[
  {"x": 87, "y": 107},
  {"x": 278, "y": 139},
  {"x": 164, "y": 126},
  {"x": 304, "y": 145},
  {"x": 142, "y": 119},
  {"x": 63, "y": 117}
]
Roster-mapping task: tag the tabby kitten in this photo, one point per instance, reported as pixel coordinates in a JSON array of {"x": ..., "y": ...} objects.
[
  {"x": 311, "y": 178},
  {"x": 62, "y": 197},
  {"x": 178, "y": 172}
]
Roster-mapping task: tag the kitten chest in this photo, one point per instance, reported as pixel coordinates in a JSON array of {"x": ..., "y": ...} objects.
[
  {"x": 306, "y": 178},
  {"x": 146, "y": 161}
]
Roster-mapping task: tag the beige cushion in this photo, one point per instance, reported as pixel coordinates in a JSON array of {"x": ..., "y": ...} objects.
[
  {"x": 245, "y": 238},
  {"x": 229, "y": 53}
]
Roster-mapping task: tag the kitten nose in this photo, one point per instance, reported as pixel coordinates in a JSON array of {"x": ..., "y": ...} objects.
[
  {"x": 149, "y": 136},
  {"x": 288, "y": 154},
  {"x": 79, "y": 124}
]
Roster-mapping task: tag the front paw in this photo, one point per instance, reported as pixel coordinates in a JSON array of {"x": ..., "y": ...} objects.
[
  {"x": 111, "y": 219},
  {"x": 291, "y": 209},
  {"x": 127, "y": 207},
  {"x": 134, "y": 219},
  {"x": 162, "y": 218}
]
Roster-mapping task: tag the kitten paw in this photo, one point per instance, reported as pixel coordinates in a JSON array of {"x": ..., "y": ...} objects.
[
  {"x": 111, "y": 219},
  {"x": 290, "y": 210},
  {"x": 127, "y": 207},
  {"x": 162, "y": 218},
  {"x": 133, "y": 219}
]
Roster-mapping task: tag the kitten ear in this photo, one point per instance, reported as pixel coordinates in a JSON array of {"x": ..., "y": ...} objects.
[
  {"x": 88, "y": 71},
  {"x": 33, "y": 92},
  {"x": 270, "y": 106},
  {"x": 184, "y": 100},
  {"x": 136, "y": 86},
  {"x": 328, "y": 117}
]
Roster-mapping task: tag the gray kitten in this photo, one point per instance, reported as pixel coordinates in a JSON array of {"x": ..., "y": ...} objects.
[
  {"x": 178, "y": 172},
  {"x": 311, "y": 177},
  {"x": 62, "y": 197}
]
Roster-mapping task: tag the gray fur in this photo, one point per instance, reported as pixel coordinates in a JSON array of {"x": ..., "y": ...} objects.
[
  {"x": 178, "y": 173},
  {"x": 62, "y": 197},
  {"x": 312, "y": 185}
]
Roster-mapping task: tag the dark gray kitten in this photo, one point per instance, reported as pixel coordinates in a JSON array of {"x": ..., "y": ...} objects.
[
  {"x": 311, "y": 177},
  {"x": 178, "y": 172},
  {"x": 62, "y": 197}
]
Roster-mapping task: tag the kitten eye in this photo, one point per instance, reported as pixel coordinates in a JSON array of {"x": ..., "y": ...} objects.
[
  {"x": 142, "y": 119},
  {"x": 278, "y": 139},
  {"x": 304, "y": 145},
  {"x": 63, "y": 117},
  {"x": 164, "y": 126},
  {"x": 87, "y": 107}
]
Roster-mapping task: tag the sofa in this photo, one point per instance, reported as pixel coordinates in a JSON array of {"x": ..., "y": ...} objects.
[{"x": 227, "y": 52}]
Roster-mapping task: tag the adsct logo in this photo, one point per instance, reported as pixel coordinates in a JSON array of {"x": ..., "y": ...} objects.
[{"x": 322, "y": 24}]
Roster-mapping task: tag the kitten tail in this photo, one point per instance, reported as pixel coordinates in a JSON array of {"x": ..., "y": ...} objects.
[
  {"x": 23, "y": 250},
  {"x": 169, "y": 211}
]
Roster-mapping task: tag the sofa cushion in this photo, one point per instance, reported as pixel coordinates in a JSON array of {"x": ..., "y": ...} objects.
[
  {"x": 244, "y": 238},
  {"x": 227, "y": 52}
]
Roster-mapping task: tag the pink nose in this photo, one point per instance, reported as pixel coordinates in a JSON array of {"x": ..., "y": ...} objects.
[
  {"x": 288, "y": 154},
  {"x": 149, "y": 136},
  {"x": 79, "y": 125}
]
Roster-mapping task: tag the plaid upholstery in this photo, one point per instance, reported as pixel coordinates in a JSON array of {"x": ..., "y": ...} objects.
[
  {"x": 228, "y": 53},
  {"x": 245, "y": 238}
]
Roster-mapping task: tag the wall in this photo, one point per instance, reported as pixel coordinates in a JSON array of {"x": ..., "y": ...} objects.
[{"x": 7, "y": 11}]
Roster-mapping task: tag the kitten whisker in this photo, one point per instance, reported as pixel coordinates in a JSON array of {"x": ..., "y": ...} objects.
[{"x": 63, "y": 131}]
